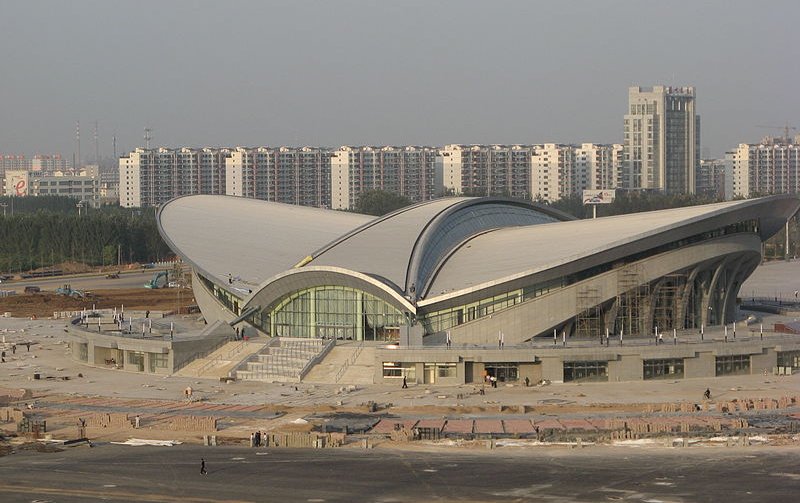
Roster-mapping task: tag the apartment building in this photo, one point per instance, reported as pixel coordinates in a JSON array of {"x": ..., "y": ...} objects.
[
  {"x": 597, "y": 165},
  {"x": 482, "y": 170},
  {"x": 407, "y": 171},
  {"x": 769, "y": 167},
  {"x": 149, "y": 177},
  {"x": 286, "y": 175},
  {"x": 553, "y": 174}
]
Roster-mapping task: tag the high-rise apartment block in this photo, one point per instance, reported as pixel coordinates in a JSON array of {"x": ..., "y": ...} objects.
[
  {"x": 662, "y": 139},
  {"x": 335, "y": 178},
  {"x": 482, "y": 170},
  {"x": 713, "y": 178},
  {"x": 284, "y": 175},
  {"x": 149, "y": 177},
  {"x": 769, "y": 167},
  {"x": 406, "y": 171}
]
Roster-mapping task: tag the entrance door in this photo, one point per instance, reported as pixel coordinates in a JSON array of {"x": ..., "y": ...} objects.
[{"x": 430, "y": 374}]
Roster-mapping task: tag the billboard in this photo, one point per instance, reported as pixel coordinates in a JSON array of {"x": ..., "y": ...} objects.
[
  {"x": 603, "y": 196},
  {"x": 17, "y": 183}
]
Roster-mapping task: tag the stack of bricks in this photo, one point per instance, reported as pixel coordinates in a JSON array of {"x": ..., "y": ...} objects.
[
  {"x": 300, "y": 439},
  {"x": 10, "y": 415},
  {"x": 190, "y": 423},
  {"x": 109, "y": 420},
  {"x": 8, "y": 395}
]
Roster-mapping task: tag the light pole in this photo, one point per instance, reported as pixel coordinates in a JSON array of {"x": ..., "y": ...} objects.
[
  {"x": 79, "y": 205},
  {"x": 4, "y": 205}
]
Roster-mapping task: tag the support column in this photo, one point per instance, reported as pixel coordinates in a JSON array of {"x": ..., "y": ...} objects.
[{"x": 710, "y": 294}]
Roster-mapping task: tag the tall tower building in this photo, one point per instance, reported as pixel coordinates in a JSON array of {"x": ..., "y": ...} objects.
[{"x": 662, "y": 139}]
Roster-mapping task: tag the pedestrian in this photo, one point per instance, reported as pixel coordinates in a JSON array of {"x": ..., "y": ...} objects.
[
  {"x": 494, "y": 381},
  {"x": 147, "y": 314},
  {"x": 241, "y": 333},
  {"x": 136, "y": 421},
  {"x": 13, "y": 349},
  {"x": 28, "y": 345},
  {"x": 527, "y": 381},
  {"x": 237, "y": 333},
  {"x": 405, "y": 383},
  {"x": 203, "y": 467},
  {"x": 707, "y": 394}
]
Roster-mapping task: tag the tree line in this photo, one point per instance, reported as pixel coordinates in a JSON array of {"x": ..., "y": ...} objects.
[{"x": 47, "y": 230}]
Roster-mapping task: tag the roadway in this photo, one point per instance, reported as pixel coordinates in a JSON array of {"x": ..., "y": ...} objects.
[
  {"x": 133, "y": 279},
  {"x": 235, "y": 474}
]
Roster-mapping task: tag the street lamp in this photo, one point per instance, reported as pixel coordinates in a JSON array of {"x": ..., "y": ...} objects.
[
  {"x": 79, "y": 205},
  {"x": 4, "y": 205}
]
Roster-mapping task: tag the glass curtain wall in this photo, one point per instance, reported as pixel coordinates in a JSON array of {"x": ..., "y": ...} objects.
[{"x": 332, "y": 312}]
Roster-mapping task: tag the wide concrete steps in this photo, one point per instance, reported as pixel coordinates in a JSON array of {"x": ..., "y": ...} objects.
[{"x": 281, "y": 362}]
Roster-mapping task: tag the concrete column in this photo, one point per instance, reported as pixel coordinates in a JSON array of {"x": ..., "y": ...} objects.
[
  {"x": 745, "y": 268},
  {"x": 685, "y": 295},
  {"x": 709, "y": 294},
  {"x": 728, "y": 311},
  {"x": 651, "y": 307}
]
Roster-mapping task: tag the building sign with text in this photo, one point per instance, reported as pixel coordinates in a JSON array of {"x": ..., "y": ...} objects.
[{"x": 604, "y": 196}]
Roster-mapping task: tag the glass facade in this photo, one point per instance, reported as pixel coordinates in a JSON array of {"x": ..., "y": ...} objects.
[
  {"x": 733, "y": 365},
  {"x": 438, "y": 321},
  {"x": 668, "y": 368},
  {"x": 789, "y": 359},
  {"x": 595, "y": 370},
  {"x": 158, "y": 361},
  {"x": 399, "y": 370},
  {"x": 504, "y": 372},
  {"x": 332, "y": 312}
]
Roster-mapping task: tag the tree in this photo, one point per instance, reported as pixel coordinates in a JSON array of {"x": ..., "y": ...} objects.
[{"x": 380, "y": 202}]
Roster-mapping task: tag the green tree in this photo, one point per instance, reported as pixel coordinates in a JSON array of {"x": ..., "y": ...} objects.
[{"x": 380, "y": 202}]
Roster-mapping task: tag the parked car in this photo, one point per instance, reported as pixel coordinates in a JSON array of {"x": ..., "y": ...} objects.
[
  {"x": 32, "y": 289},
  {"x": 113, "y": 275}
]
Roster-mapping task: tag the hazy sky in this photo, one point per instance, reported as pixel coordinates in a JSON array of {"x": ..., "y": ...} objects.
[{"x": 378, "y": 72}]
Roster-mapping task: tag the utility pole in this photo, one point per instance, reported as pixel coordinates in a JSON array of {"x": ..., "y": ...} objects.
[
  {"x": 78, "y": 141},
  {"x": 96, "y": 146}
]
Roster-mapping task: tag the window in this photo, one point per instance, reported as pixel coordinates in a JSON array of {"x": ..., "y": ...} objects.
[
  {"x": 670, "y": 368},
  {"x": 158, "y": 361},
  {"x": 592, "y": 370},
  {"x": 733, "y": 365},
  {"x": 446, "y": 369},
  {"x": 398, "y": 370}
]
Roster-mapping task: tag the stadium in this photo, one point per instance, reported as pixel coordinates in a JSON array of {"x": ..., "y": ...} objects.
[{"x": 451, "y": 290}]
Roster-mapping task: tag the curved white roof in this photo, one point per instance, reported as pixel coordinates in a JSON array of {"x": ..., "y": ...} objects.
[
  {"x": 431, "y": 251},
  {"x": 248, "y": 238}
]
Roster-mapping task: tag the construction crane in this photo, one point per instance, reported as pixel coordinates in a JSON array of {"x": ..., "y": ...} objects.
[{"x": 786, "y": 128}]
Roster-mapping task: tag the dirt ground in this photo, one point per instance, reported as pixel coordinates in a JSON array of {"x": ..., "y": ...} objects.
[{"x": 44, "y": 304}]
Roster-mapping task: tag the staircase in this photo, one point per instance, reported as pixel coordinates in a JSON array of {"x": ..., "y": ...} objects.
[
  {"x": 347, "y": 363},
  {"x": 285, "y": 360}
]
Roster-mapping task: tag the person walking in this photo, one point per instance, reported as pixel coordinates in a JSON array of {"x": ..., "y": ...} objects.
[
  {"x": 707, "y": 394},
  {"x": 203, "y": 467},
  {"x": 28, "y": 345},
  {"x": 405, "y": 383}
]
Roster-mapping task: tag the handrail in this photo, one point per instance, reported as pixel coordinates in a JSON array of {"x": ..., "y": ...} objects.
[
  {"x": 326, "y": 348},
  {"x": 350, "y": 361}
]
